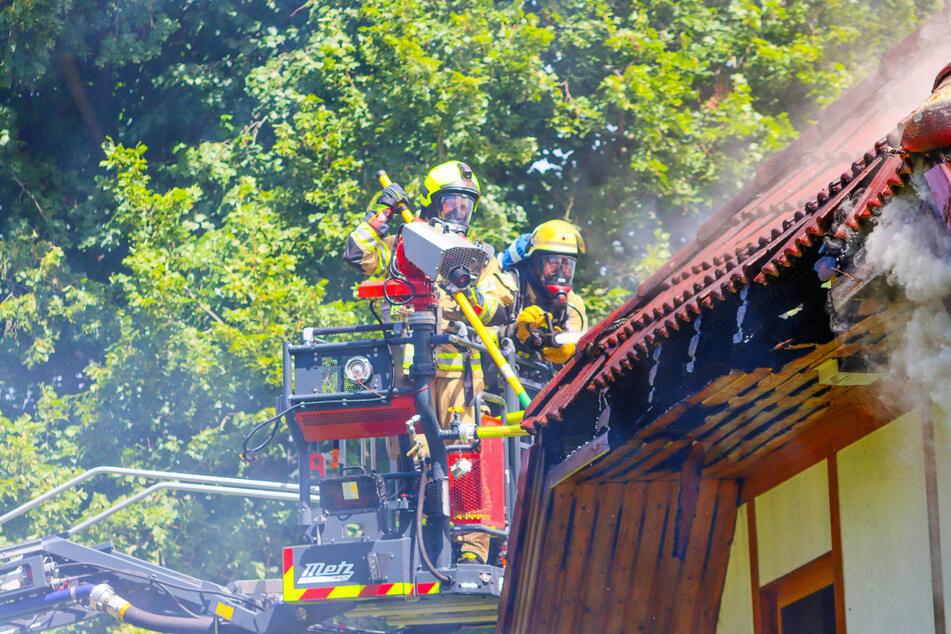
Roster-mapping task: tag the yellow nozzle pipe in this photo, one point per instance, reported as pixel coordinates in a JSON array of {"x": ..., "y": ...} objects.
[
  {"x": 501, "y": 431},
  {"x": 404, "y": 210},
  {"x": 510, "y": 418},
  {"x": 500, "y": 361}
]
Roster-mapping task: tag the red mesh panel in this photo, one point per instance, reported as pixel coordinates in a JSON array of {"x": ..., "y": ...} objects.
[
  {"x": 357, "y": 422},
  {"x": 478, "y": 497}
]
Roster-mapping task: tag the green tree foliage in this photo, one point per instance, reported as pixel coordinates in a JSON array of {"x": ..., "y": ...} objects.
[{"x": 177, "y": 180}]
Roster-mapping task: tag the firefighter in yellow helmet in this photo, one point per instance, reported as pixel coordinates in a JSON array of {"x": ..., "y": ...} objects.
[
  {"x": 450, "y": 194},
  {"x": 539, "y": 268}
]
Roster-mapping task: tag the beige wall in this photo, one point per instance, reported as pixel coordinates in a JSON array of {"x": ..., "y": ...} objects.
[
  {"x": 884, "y": 522},
  {"x": 792, "y": 523},
  {"x": 792, "y": 529},
  {"x": 885, "y": 550},
  {"x": 736, "y": 604}
]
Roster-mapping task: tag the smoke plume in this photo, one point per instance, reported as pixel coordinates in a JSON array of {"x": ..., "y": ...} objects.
[{"x": 913, "y": 250}]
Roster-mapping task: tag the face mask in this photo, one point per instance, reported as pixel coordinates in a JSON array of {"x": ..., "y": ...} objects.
[
  {"x": 455, "y": 209},
  {"x": 555, "y": 272}
]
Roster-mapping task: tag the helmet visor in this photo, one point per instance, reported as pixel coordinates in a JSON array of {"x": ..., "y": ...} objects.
[
  {"x": 556, "y": 270},
  {"x": 454, "y": 208}
]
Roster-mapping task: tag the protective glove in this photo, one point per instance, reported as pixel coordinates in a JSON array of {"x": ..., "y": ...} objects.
[
  {"x": 483, "y": 306},
  {"x": 386, "y": 204},
  {"x": 392, "y": 196},
  {"x": 558, "y": 354},
  {"x": 531, "y": 318}
]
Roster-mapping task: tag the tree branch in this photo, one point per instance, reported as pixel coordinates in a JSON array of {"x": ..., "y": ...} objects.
[
  {"x": 205, "y": 308},
  {"x": 30, "y": 194}
]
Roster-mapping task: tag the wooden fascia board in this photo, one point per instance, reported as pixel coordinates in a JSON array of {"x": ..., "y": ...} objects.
[{"x": 836, "y": 431}]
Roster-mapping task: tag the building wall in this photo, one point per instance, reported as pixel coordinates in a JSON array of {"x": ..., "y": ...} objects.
[
  {"x": 885, "y": 549},
  {"x": 736, "y": 606},
  {"x": 792, "y": 523},
  {"x": 883, "y": 516}
]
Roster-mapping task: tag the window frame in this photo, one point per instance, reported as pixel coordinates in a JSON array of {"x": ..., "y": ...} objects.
[{"x": 793, "y": 586}]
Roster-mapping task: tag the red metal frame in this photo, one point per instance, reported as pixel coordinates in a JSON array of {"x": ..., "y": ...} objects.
[
  {"x": 357, "y": 422},
  {"x": 373, "y": 289},
  {"x": 478, "y": 497}
]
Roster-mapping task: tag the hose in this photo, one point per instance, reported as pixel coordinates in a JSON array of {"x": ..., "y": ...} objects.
[
  {"x": 580, "y": 316},
  {"x": 419, "y": 534},
  {"x": 104, "y": 599},
  {"x": 162, "y": 623},
  {"x": 248, "y": 453},
  {"x": 16, "y": 608}
]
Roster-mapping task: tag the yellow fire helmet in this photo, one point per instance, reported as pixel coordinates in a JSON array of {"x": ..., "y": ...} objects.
[
  {"x": 451, "y": 193},
  {"x": 556, "y": 236}
]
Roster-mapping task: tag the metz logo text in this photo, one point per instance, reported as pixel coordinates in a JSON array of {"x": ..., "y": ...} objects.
[{"x": 320, "y": 572}]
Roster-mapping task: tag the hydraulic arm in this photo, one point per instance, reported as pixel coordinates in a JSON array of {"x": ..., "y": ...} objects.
[{"x": 52, "y": 582}]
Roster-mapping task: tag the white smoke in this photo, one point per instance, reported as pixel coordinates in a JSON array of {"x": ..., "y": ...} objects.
[{"x": 913, "y": 250}]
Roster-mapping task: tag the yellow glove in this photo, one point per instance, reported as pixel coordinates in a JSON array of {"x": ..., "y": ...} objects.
[
  {"x": 559, "y": 354},
  {"x": 531, "y": 318}
]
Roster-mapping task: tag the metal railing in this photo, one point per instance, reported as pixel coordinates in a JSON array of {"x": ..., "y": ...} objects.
[
  {"x": 177, "y": 486},
  {"x": 210, "y": 484}
]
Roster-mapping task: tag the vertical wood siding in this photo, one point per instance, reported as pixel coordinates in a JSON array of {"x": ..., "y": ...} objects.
[{"x": 607, "y": 561}]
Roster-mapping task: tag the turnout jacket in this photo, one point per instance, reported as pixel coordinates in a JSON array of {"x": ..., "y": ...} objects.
[
  {"x": 575, "y": 318},
  {"x": 370, "y": 253}
]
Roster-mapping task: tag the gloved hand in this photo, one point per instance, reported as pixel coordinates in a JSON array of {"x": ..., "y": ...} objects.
[
  {"x": 558, "y": 354},
  {"x": 386, "y": 204},
  {"x": 531, "y": 318},
  {"x": 392, "y": 196},
  {"x": 482, "y": 305}
]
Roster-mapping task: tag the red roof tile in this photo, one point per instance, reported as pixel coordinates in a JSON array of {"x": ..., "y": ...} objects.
[{"x": 790, "y": 203}]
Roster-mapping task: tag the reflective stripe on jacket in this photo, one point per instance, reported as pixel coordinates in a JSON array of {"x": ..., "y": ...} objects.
[
  {"x": 450, "y": 361},
  {"x": 367, "y": 251}
]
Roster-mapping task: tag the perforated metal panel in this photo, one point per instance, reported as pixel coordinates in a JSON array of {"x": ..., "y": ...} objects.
[
  {"x": 357, "y": 422},
  {"x": 472, "y": 259},
  {"x": 478, "y": 497},
  {"x": 436, "y": 252}
]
